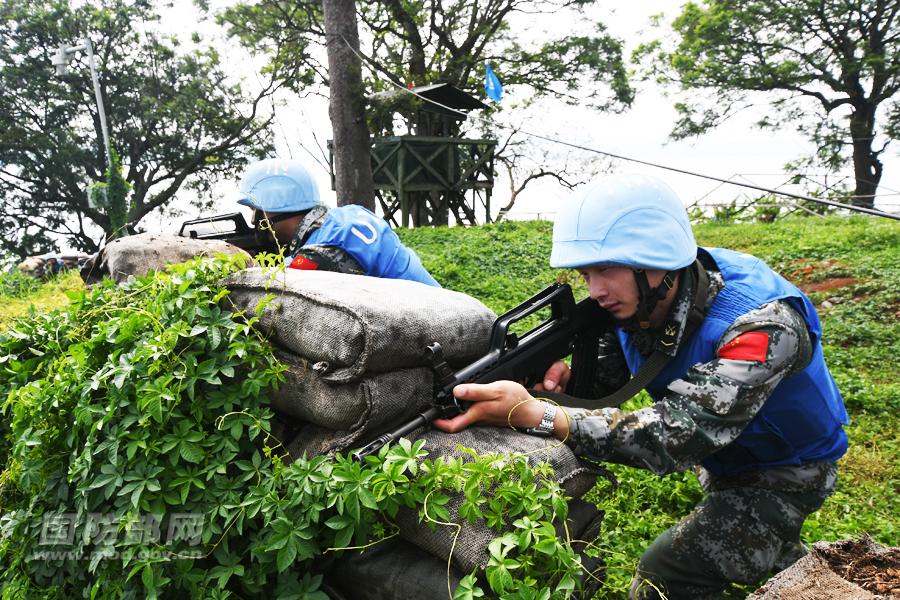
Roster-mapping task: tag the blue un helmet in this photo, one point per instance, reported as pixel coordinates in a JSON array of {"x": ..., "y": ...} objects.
[
  {"x": 633, "y": 221},
  {"x": 278, "y": 186}
]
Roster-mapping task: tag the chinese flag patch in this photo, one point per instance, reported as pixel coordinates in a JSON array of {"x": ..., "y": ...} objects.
[
  {"x": 752, "y": 345},
  {"x": 301, "y": 262}
]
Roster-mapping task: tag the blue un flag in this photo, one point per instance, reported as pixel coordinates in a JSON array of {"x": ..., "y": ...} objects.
[{"x": 492, "y": 86}]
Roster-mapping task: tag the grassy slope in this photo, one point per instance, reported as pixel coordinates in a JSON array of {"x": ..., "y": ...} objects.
[
  {"x": 19, "y": 294},
  {"x": 504, "y": 264}
]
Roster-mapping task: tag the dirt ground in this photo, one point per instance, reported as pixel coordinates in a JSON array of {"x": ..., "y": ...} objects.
[{"x": 865, "y": 563}]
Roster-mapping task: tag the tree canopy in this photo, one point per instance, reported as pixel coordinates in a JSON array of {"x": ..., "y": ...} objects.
[
  {"x": 175, "y": 117},
  {"x": 422, "y": 42},
  {"x": 415, "y": 43},
  {"x": 830, "y": 68}
]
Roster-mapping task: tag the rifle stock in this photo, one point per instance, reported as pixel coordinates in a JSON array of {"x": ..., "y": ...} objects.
[{"x": 571, "y": 329}]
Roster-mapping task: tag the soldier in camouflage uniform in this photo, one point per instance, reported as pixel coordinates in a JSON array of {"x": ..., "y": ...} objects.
[
  {"x": 347, "y": 239},
  {"x": 744, "y": 397}
]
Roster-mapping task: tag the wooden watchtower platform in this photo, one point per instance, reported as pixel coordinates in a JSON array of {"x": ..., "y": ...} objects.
[{"x": 424, "y": 179}]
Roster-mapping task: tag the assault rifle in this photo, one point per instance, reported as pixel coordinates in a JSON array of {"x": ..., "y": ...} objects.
[
  {"x": 571, "y": 329},
  {"x": 231, "y": 228}
]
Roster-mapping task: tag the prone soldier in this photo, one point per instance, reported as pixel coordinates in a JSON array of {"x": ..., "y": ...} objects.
[{"x": 348, "y": 239}]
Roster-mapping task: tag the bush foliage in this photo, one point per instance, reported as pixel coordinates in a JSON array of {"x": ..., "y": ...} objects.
[{"x": 138, "y": 463}]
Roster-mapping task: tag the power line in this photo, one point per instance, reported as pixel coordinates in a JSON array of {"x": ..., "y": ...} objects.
[
  {"x": 869, "y": 211},
  {"x": 850, "y": 207}
]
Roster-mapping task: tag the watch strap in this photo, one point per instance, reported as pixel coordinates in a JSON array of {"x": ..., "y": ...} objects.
[{"x": 545, "y": 427}]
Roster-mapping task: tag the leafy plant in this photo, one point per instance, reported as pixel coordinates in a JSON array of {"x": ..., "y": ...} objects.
[
  {"x": 17, "y": 285},
  {"x": 725, "y": 213},
  {"x": 767, "y": 213}
]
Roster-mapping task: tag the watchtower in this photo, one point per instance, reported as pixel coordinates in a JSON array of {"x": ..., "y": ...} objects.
[{"x": 423, "y": 177}]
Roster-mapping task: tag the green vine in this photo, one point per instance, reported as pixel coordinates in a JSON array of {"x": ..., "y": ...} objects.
[{"x": 144, "y": 404}]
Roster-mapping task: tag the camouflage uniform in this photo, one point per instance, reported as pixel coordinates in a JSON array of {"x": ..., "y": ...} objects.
[
  {"x": 328, "y": 258},
  {"x": 746, "y": 524}
]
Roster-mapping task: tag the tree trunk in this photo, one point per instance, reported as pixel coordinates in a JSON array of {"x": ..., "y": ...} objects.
[
  {"x": 866, "y": 166},
  {"x": 346, "y": 107}
]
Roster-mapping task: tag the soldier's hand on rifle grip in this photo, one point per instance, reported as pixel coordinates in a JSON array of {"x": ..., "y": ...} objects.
[
  {"x": 556, "y": 378},
  {"x": 501, "y": 403}
]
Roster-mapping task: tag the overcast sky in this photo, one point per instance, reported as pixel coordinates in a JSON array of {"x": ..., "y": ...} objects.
[{"x": 734, "y": 149}]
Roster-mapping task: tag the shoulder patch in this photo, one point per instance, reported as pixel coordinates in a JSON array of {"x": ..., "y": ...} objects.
[
  {"x": 753, "y": 345},
  {"x": 303, "y": 263}
]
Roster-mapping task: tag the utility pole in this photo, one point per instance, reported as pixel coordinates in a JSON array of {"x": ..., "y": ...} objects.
[
  {"x": 346, "y": 106},
  {"x": 115, "y": 203},
  {"x": 61, "y": 60}
]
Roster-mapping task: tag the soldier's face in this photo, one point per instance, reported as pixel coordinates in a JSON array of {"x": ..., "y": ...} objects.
[
  {"x": 283, "y": 229},
  {"x": 615, "y": 289}
]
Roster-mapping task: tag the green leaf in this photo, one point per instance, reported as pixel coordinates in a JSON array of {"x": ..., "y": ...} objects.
[
  {"x": 285, "y": 557},
  {"x": 191, "y": 452}
]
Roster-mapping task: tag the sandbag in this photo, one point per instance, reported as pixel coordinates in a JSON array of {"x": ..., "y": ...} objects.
[
  {"x": 33, "y": 266},
  {"x": 844, "y": 570},
  {"x": 390, "y": 570},
  {"x": 354, "y": 324},
  {"x": 470, "y": 551},
  {"x": 397, "y": 570},
  {"x": 144, "y": 252},
  {"x": 380, "y": 398}
]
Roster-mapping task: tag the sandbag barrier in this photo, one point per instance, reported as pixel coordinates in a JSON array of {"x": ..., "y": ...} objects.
[
  {"x": 397, "y": 568},
  {"x": 356, "y": 366},
  {"x": 137, "y": 255},
  {"x": 354, "y": 350},
  {"x": 349, "y": 325}
]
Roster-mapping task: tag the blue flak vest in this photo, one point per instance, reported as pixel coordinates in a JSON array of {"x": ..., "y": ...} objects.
[
  {"x": 801, "y": 421},
  {"x": 368, "y": 239}
]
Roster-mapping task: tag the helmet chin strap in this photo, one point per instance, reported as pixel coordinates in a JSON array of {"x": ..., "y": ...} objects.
[{"x": 649, "y": 297}]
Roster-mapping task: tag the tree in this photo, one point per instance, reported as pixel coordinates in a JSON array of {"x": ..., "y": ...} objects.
[
  {"x": 428, "y": 42},
  {"x": 526, "y": 161},
  {"x": 174, "y": 116},
  {"x": 418, "y": 43},
  {"x": 831, "y": 68},
  {"x": 346, "y": 106}
]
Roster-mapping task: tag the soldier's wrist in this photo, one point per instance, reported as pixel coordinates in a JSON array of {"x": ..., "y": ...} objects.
[{"x": 545, "y": 426}]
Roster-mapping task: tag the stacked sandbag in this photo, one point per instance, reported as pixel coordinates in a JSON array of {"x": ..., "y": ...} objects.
[
  {"x": 470, "y": 549},
  {"x": 144, "y": 252},
  {"x": 49, "y": 264},
  {"x": 33, "y": 266},
  {"x": 396, "y": 569},
  {"x": 355, "y": 348},
  {"x": 357, "y": 366},
  {"x": 353, "y": 325}
]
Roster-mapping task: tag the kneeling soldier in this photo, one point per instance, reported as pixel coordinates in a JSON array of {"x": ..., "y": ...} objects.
[{"x": 740, "y": 386}]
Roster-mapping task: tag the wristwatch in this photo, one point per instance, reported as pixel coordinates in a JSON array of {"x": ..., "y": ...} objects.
[{"x": 545, "y": 428}]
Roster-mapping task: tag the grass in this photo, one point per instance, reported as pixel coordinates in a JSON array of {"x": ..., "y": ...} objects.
[
  {"x": 851, "y": 264},
  {"x": 20, "y": 294}
]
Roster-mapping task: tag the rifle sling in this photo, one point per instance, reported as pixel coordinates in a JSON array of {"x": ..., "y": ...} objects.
[{"x": 653, "y": 365}]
